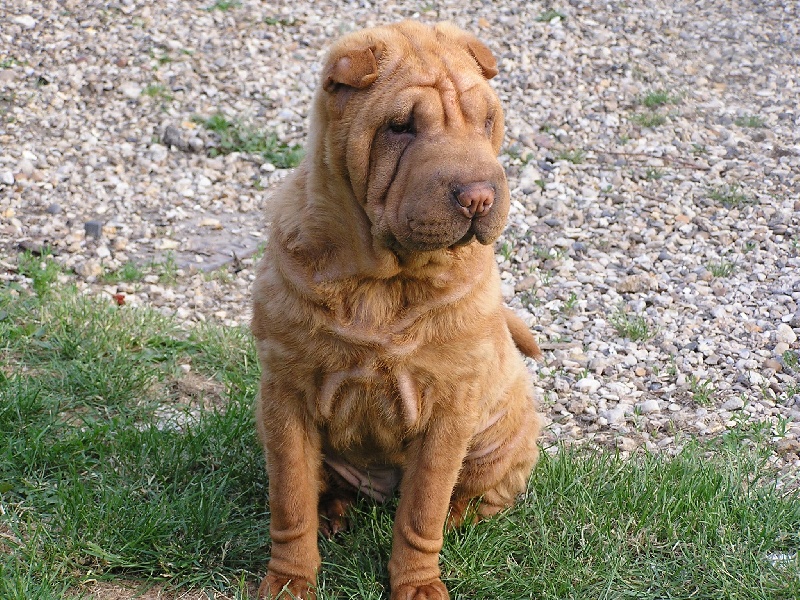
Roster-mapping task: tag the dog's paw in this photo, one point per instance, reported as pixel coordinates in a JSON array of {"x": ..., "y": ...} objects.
[
  {"x": 427, "y": 591},
  {"x": 332, "y": 515},
  {"x": 274, "y": 587}
]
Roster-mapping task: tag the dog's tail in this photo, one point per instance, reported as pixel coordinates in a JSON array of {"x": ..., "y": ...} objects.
[{"x": 522, "y": 336}]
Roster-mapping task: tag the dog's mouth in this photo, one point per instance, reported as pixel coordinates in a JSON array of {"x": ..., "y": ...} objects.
[{"x": 429, "y": 237}]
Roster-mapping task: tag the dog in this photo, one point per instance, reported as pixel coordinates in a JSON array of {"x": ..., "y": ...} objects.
[{"x": 388, "y": 359}]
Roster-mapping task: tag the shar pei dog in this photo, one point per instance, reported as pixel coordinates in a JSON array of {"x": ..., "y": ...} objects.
[{"x": 389, "y": 361}]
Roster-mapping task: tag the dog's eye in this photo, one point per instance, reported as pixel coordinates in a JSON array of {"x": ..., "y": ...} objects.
[{"x": 401, "y": 127}]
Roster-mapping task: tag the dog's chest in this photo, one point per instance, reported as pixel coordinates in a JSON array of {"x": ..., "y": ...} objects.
[{"x": 369, "y": 406}]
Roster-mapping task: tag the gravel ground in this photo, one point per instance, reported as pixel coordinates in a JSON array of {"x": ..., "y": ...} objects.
[{"x": 653, "y": 152}]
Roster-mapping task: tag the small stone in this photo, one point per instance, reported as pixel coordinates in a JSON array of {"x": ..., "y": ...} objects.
[
  {"x": 648, "y": 406},
  {"x": 614, "y": 416},
  {"x": 7, "y": 177},
  {"x": 780, "y": 348},
  {"x": 785, "y": 334},
  {"x": 158, "y": 153},
  {"x": 640, "y": 282},
  {"x": 787, "y": 446},
  {"x": 773, "y": 364},
  {"x": 172, "y": 137},
  {"x": 167, "y": 244},
  {"x": 93, "y": 229},
  {"x": 267, "y": 167},
  {"x": 287, "y": 114},
  {"x": 130, "y": 90},
  {"x": 576, "y": 407},
  {"x": 626, "y": 444},
  {"x": 544, "y": 141},
  {"x": 26, "y": 21},
  {"x": 26, "y": 167},
  {"x": 640, "y": 371},
  {"x": 733, "y": 404},
  {"x": 89, "y": 269},
  {"x": 210, "y": 222},
  {"x": 54, "y": 209},
  {"x": 196, "y": 144},
  {"x": 599, "y": 364},
  {"x": 587, "y": 385},
  {"x": 103, "y": 252}
]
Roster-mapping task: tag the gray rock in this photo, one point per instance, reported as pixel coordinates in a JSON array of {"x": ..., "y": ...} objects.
[
  {"x": 733, "y": 404},
  {"x": 614, "y": 416},
  {"x": 172, "y": 137},
  {"x": 130, "y": 90},
  {"x": 648, "y": 407},
  {"x": 785, "y": 334},
  {"x": 26, "y": 21},
  {"x": 196, "y": 144},
  {"x": 587, "y": 385},
  {"x": 93, "y": 229},
  {"x": 641, "y": 282}
]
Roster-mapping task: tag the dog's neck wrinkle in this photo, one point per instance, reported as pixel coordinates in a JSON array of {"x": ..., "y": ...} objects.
[{"x": 385, "y": 324}]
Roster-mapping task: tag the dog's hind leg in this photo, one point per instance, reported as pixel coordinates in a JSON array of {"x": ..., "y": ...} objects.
[
  {"x": 333, "y": 503},
  {"x": 493, "y": 476}
]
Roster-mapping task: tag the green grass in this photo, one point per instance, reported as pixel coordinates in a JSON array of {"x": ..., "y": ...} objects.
[
  {"x": 730, "y": 196},
  {"x": 658, "y": 98},
  {"x": 130, "y": 272},
  {"x": 650, "y": 119},
  {"x": 753, "y": 121},
  {"x": 41, "y": 270},
  {"x": 702, "y": 390},
  {"x": 632, "y": 327},
  {"x": 237, "y": 137},
  {"x": 653, "y": 174},
  {"x": 283, "y": 22},
  {"x": 506, "y": 250},
  {"x": 158, "y": 91},
  {"x": 111, "y": 469},
  {"x": 224, "y": 5},
  {"x": 576, "y": 157},
  {"x": 549, "y": 15},
  {"x": 723, "y": 268}
]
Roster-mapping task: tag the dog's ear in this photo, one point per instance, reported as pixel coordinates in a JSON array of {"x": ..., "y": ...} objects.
[
  {"x": 352, "y": 67},
  {"x": 482, "y": 55}
]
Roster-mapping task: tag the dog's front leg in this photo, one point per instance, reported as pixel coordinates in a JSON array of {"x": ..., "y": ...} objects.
[
  {"x": 431, "y": 472},
  {"x": 293, "y": 454}
]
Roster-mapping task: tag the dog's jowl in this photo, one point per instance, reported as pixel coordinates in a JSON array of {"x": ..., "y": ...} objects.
[{"x": 390, "y": 364}]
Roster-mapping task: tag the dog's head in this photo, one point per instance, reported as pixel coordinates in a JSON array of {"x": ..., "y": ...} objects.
[{"x": 407, "y": 115}]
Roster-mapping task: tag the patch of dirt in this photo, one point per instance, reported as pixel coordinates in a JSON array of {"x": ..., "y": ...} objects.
[{"x": 197, "y": 391}]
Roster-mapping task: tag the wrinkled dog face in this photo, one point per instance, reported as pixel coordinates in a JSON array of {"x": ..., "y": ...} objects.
[{"x": 422, "y": 140}]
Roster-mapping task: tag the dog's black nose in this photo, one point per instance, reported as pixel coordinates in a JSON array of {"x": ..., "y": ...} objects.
[{"x": 474, "y": 199}]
